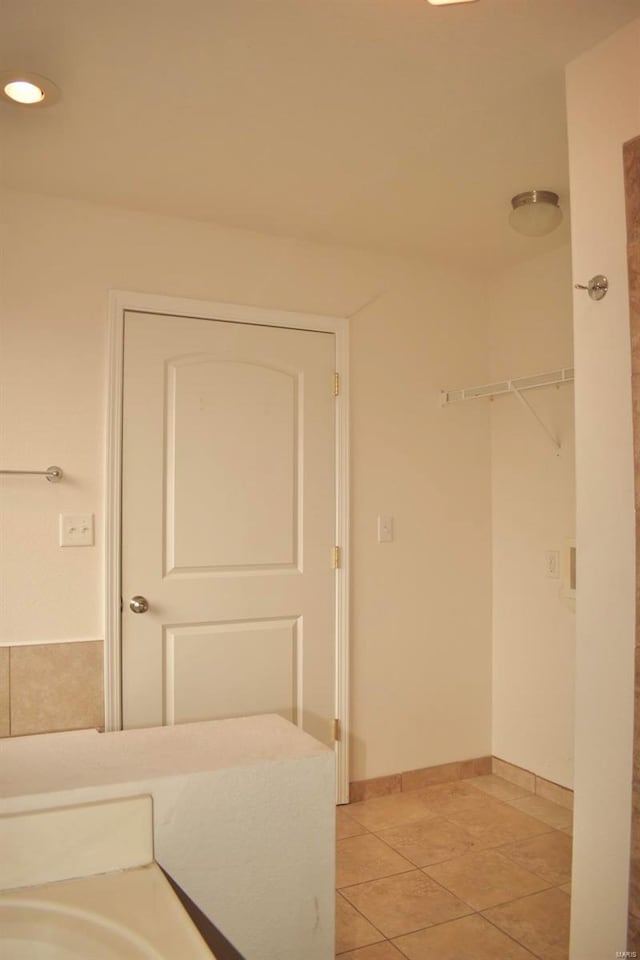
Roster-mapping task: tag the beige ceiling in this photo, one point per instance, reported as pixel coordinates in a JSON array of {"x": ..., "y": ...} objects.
[{"x": 387, "y": 124}]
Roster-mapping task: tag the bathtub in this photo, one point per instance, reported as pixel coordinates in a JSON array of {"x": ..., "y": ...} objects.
[
  {"x": 81, "y": 883},
  {"x": 124, "y": 915}
]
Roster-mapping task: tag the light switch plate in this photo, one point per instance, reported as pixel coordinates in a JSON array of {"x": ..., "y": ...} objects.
[{"x": 76, "y": 530}]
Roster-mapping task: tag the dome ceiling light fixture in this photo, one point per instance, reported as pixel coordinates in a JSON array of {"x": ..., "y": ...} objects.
[
  {"x": 535, "y": 213},
  {"x": 25, "y": 89}
]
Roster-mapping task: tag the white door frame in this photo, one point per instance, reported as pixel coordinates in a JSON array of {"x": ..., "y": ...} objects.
[{"x": 121, "y": 301}]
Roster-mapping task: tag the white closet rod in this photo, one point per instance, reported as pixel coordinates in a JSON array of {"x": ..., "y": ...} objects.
[{"x": 488, "y": 390}]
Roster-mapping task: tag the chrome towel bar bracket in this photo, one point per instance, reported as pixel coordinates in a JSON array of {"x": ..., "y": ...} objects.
[{"x": 53, "y": 474}]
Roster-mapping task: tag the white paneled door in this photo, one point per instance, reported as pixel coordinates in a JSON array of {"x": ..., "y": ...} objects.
[{"x": 228, "y": 522}]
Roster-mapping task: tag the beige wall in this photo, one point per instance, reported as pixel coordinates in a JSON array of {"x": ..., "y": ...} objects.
[
  {"x": 533, "y": 511},
  {"x": 421, "y": 657},
  {"x": 603, "y": 92},
  {"x": 422, "y": 604}
]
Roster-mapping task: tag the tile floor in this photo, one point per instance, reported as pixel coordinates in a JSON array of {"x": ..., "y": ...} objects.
[{"x": 476, "y": 869}]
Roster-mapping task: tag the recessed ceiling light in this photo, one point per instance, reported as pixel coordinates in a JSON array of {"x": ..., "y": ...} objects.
[
  {"x": 23, "y": 91},
  {"x": 27, "y": 89},
  {"x": 445, "y": 3}
]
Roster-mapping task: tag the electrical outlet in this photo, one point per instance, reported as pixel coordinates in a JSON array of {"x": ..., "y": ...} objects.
[
  {"x": 552, "y": 564},
  {"x": 76, "y": 530},
  {"x": 385, "y": 529}
]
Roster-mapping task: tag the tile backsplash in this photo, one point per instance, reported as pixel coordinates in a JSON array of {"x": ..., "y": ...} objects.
[{"x": 50, "y": 687}]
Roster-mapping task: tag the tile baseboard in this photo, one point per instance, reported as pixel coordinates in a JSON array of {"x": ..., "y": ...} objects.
[
  {"x": 529, "y": 780},
  {"x": 460, "y": 770},
  {"x": 415, "y": 779},
  {"x": 376, "y": 787}
]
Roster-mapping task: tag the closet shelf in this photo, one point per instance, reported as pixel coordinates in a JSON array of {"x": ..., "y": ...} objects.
[
  {"x": 517, "y": 387},
  {"x": 488, "y": 390}
]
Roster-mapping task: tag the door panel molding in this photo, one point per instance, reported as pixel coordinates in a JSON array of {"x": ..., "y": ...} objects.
[
  {"x": 279, "y": 644},
  {"x": 123, "y": 301},
  {"x": 288, "y": 552}
]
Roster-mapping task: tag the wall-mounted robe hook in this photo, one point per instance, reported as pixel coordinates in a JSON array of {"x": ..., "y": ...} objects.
[{"x": 597, "y": 287}]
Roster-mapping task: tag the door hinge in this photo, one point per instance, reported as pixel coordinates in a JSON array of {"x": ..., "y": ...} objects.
[
  {"x": 337, "y": 558},
  {"x": 337, "y": 732},
  {"x": 336, "y": 384}
]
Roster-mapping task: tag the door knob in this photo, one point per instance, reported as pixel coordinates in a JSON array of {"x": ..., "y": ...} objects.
[{"x": 139, "y": 604}]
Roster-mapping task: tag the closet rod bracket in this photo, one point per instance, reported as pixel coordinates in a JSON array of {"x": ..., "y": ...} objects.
[{"x": 527, "y": 406}]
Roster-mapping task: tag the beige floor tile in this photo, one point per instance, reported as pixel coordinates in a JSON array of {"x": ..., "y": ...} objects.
[
  {"x": 463, "y": 800},
  {"x": 346, "y": 826},
  {"x": 495, "y": 824},
  {"x": 548, "y": 856},
  {"x": 440, "y": 795},
  {"x": 366, "y": 858},
  {"x": 551, "y": 813},
  {"x": 539, "y": 922},
  {"x": 471, "y": 938},
  {"x": 405, "y": 903},
  {"x": 352, "y": 930},
  {"x": 485, "y": 879},
  {"x": 429, "y": 841},
  {"x": 498, "y": 787},
  {"x": 379, "y": 951},
  {"x": 454, "y": 788},
  {"x": 384, "y": 812}
]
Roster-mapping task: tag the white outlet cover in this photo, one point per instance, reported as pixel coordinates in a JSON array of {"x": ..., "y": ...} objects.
[
  {"x": 76, "y": 530},
  {"x": 552, "y": 564}
]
